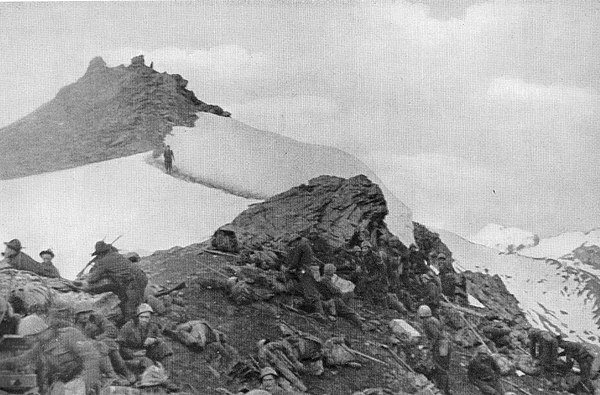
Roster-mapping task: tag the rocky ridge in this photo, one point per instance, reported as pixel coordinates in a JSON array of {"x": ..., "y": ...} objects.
[{"x": 108, "y": 113}]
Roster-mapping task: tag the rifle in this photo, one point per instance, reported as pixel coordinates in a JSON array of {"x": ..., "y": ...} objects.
[
  {"x": 168, "y": 291},
  {"x": 92, "y": 261}
]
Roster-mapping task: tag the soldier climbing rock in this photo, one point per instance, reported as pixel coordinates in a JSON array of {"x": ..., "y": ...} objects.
[{"x": 112, "y": 271}]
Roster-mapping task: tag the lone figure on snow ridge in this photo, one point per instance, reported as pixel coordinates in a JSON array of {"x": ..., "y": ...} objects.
[{"x": 169, "y": 158}]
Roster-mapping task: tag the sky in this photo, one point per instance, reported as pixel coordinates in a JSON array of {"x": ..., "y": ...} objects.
[{"x": 470, "y": 112}]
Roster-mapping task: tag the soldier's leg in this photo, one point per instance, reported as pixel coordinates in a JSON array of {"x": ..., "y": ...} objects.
[
  {"x": 346, "y": 312},
  {"x": 119, "y": 365},
  {"x": 311, "y": 293}
]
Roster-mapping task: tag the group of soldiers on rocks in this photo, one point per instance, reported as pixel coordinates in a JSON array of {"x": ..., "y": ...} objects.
[{"x": 77, "y": 345}]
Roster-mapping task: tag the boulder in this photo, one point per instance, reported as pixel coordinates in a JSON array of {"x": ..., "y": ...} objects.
[
  {"x": 29, "y": 293},
  {"x": 404, "y": 330},
  {"x": 334, "y": 213}
]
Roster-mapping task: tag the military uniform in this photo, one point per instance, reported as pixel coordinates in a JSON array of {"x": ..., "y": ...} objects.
[
  {"x": 544, "y": 347},
  {"x": 22, "y": 261},
  {"x": 60, "y": 355},
  {"x": 441, "y": 351},
  {"x": 432, "y": 294},
  {"x": 105, "y": 332},
  {"x": 585, "y": 359},
  {"x": 129, "y": 281},
  {"x": 136, "y": 354},
  {"x": 332, "y": 295},
  {"x": 484, "y": 373},
  {"x": 301, "y": 258}
]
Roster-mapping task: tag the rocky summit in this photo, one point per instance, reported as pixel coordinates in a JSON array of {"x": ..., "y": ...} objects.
[
  {"x": 110, "y": 112},
  {"x": 341, "y": 212}
]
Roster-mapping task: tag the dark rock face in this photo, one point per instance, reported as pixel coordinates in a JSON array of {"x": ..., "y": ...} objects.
[
  {"x": 491, "y": 291},
  {"x": 429, "y": 242},
  {"x": 108, "y": 113},
  {"x": 334, "y": 213}
]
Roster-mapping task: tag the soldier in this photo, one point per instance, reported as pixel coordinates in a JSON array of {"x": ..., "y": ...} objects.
[
  {"x": 484, "y": 373},
  {"x": 300, "y": 260},
  {"x": 47, "y": 264},
  {"x": 498, "y": 332},
  {"x": 281, "y": 354},
  {"x": 97, "y": 327},
  {"x": 140, "y": 341},
  {"x": 543, "y": 346},
  {"x": 169, "y": 158},
  {"x": 417, "y": 260},
  {"x": 21, "y": 261},
  {"x": 447, "y": 276},
  {"x": 440, "y": 348},
  {"x": 332, "y": 297},
  {"x": 58, "y": 354},
  {"x": 9, "y": 321},
  {"x": 126, "y": 280},
  {"x": 375, "y": 284},
  {"x": 268, "y": 382},
  {"x": 585, "y": 359},
  {"x": 432, "y": 292}
]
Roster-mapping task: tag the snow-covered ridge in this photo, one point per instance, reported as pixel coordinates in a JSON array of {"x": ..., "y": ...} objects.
[
  {"x": 235, "y": 157},
  {"x": 504, "y": 239},
  {"x": 70, "y": 210}
]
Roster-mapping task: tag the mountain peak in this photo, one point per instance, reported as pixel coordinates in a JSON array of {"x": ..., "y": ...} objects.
[
  {"x": 96, "y": 64},
  {"x": 108, "y": 113}
]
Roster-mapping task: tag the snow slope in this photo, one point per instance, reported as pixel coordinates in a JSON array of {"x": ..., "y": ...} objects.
[
  {"x": 504, "y": 239},
  {"x": 249, "y": 162},
  {"x": 559, "y": 296},
  {"x": 70, "y": 210},
  {"x": 563, "y": 244}
]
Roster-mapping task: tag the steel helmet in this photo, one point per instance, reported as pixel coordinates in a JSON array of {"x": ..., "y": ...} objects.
[
  {"x": 329, "y": 269},
  {"x": 31, "y": 325},
  {"x": 267, "y": 371},
  {"x": 424, "y": 311},
  {"x": 144, "y": 308}
]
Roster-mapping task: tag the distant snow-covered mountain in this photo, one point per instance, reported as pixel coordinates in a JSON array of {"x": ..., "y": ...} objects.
[
  {"x": 562, "y": 245},
  {"x": 558, "y": 295},
  {"x": 504, "y": 239}
]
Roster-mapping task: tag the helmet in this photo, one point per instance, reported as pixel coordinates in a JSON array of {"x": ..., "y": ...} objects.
[
  {"x": 83, "y": 308},
  {"x": 329, "y": 269},
  {"x": 424, "y": 311},
  {"x": 267, "y": 371},
  {"x": 231, "y": 281},
  {"x": 482, "y": 349},
  {"x": 441, "y": 255},
  {"x": 31, "y": 325},
  {"x": 144, "y": 308}
]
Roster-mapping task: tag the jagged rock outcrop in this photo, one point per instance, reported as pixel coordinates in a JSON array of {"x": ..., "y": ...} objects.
[
  {"x": 492, "y": 293},
  {"x": 108, "y": 113},
  {"x": 336, "y": 213},
  {"x": 429, "y": 242}
]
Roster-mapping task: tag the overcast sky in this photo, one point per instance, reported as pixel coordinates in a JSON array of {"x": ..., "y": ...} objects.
[{"x": 471, "y": 112}]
